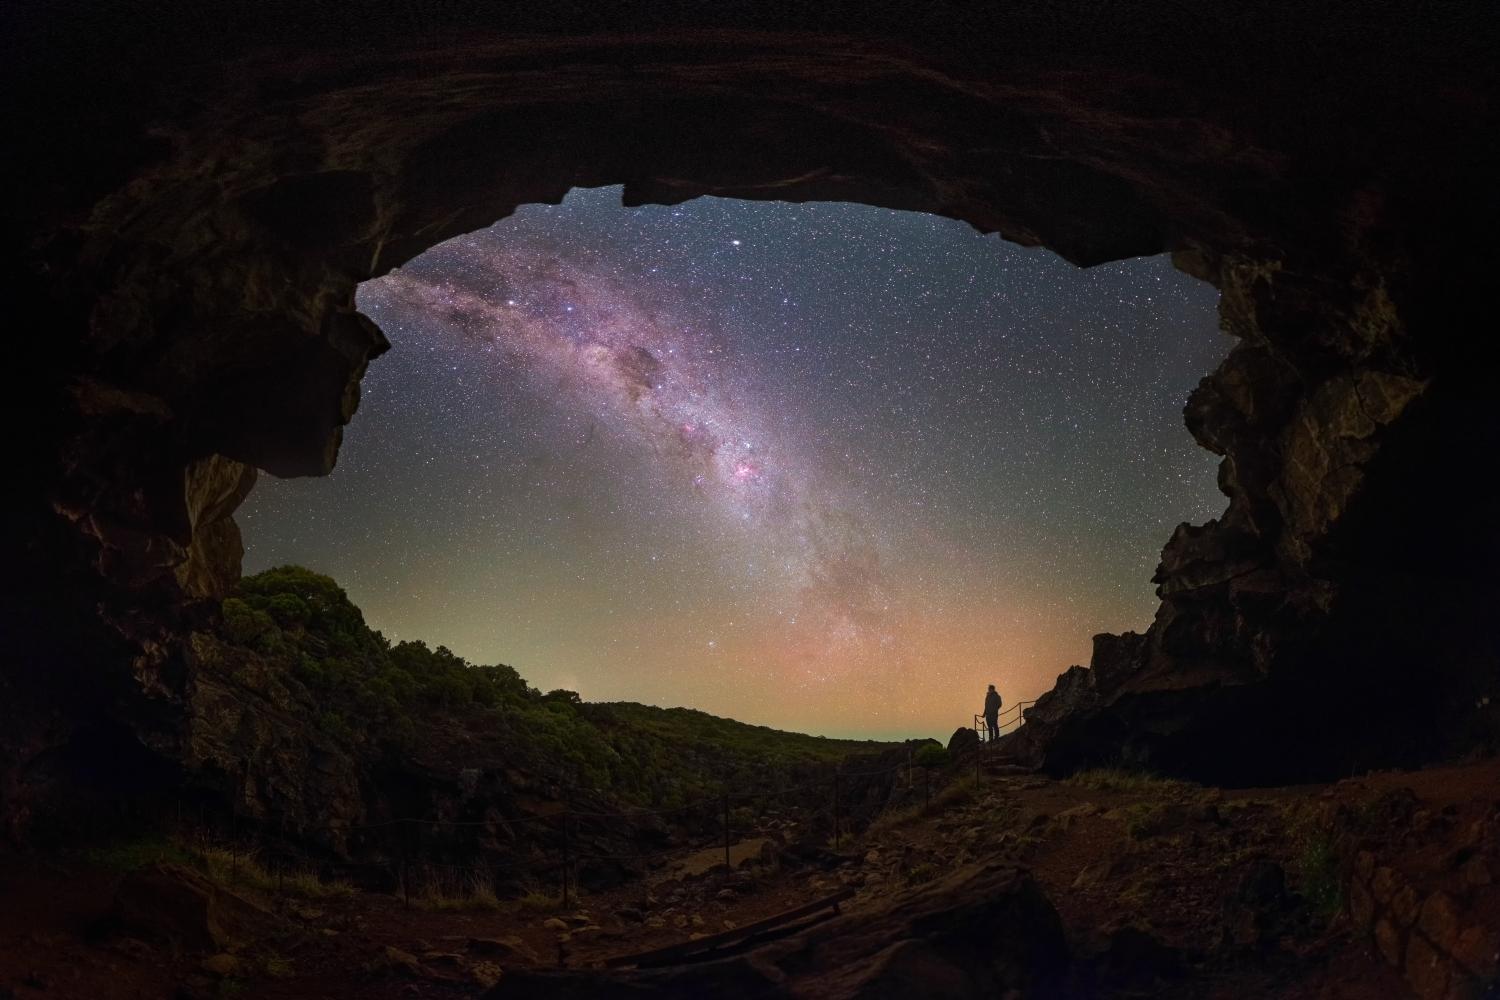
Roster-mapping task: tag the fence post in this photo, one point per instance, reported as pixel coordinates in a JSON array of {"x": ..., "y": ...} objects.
[
  {"x": 910, "y": 778},
  {"x": 927, "y": 788},
  {"x": 405, "y": 839},
  {"x": 836, "y": 808},
  {"x": 727, "y": 867},
  {"x": 566, "y": 860}
]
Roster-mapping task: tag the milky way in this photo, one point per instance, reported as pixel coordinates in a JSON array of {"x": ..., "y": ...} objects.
[
  {"x": 612, "y": 353},
  {"x": 825, "y": 466}
]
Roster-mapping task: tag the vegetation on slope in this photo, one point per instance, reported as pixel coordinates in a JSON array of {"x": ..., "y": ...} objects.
[{"x": 301, "y": 629}]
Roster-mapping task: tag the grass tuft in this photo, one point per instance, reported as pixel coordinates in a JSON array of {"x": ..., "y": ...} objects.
[
  {"x": 1116, "y": 779},
  {"x": 956, "y": 793},
  {"x": 539, "y": 902},
  {"x": 893, "y": 819},
  {"x": 132, "y": 855},
  {"x": 1315, "y": 868},
  {"x": 449, "y": 891},
  {"x": 234, "y": 868},
  {"x": 225, "y": 866},
  {"x": 278, "y": 968},
  {"x": 305, "y": 882}
]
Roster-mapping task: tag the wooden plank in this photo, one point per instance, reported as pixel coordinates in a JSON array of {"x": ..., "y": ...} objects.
[{"x": 682, "y": 950}]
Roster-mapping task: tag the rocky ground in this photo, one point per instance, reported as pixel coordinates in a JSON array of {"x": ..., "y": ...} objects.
[{"x": 1380, "y": 886}]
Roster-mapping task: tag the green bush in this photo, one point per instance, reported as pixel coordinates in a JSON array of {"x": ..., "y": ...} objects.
[
  {"x": 289, "y": 610},
  {"x": 1316, "y": 870},
  {"x": 932, "y": 755},
  {"x": 243, "y": 623},
  {"x": 301, "y": 634},
  {"x": 333, "y": 724}
]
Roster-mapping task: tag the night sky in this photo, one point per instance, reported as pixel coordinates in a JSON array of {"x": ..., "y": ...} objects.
[{"x": 824, "y": 467}]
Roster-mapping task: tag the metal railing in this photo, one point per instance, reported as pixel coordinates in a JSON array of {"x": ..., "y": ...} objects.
[{"x": 1017, "y": 719}]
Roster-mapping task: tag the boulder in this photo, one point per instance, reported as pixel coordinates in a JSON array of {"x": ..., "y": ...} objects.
[
  {"x": 963, "y": 740},
  {"x": 176, "y": 904},
  {"x": 222, "y": 964},
  {"x": 396, "y": 960}
]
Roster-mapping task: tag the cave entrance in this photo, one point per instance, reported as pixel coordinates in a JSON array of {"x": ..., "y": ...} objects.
[{"x": 822, "y": 466}]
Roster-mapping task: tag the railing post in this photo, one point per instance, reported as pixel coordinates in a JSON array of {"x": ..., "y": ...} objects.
[
  {"x": 727, "y": 867},
  {"x": 835, "y": 809},
  {"x": 405, "y": 866},
  {"x": 566, "y": 861}
]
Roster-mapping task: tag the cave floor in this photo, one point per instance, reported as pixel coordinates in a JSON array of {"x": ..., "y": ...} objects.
[{"x": 1116, "y": 854}]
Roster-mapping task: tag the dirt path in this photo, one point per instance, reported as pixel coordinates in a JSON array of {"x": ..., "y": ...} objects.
[{"x": 739, "y": 854}]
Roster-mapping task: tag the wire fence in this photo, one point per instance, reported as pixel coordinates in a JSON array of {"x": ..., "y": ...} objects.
[
  {"x": 1002, "y": 723},
  {"x": 418, "y": 841}
]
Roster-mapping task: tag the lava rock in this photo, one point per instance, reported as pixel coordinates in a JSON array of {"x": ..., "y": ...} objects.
[
  {"x": 169, "y": 902},
  {"x": 982, "y": 931}
]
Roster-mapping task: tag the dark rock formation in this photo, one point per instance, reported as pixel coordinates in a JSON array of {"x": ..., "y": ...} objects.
[
  {"x": 962, "y": 741},
  {"x": 178, "y": 906},
  {"x": 198, "y": 194},
  {"x": 982, "y": 931}
]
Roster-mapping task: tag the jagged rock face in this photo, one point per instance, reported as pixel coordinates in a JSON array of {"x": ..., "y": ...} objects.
[
  {"x": 203, "y": 208},
  {"x": 1332, "y": 619}
]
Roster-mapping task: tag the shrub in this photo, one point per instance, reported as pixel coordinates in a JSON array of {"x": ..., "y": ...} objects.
[
  {"x": 446, "y": 890},
  {"x": 893, "y": 819},
  {"x": 244, "y": 624},
  {"x": 932, "y": 755},
  {"x": 539, "y": 902},
  {"x": 234, "y": 867},
  {"x": 956, "y": 793},
  {"x": 1315, "y": 866},
  {"x": 305, "y": 882},
  {"x": 1143, "y": 820},
  {"x": 288, "y": 610},
  {"x": 363, "y": 690},
  {"x": 333, "y": 724},
  {"x": 924, "y": 872}
]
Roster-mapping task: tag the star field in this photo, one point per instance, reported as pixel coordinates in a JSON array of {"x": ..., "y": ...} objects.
[{"x": 824, "y": 467}]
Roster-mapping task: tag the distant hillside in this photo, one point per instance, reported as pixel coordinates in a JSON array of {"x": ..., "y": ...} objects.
[{"x": 295, "y": 639}]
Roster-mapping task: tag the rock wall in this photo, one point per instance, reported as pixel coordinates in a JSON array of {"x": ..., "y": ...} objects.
[
  {"x": 1420, "y": 887},
  {"x": 204, "y": 193}
]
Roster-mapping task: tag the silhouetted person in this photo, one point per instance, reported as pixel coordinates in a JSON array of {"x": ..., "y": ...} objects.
[{"x": 992, "y": 712}]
